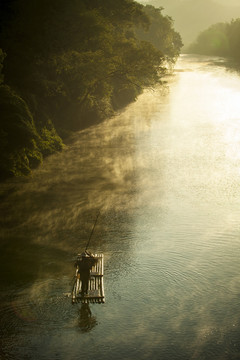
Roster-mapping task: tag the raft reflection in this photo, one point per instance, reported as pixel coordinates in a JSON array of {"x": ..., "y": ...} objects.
[{"x": 86, "y": 321}]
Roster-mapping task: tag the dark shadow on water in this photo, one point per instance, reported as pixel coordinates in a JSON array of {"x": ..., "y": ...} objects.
[
  {"x": 232, "y": 66},
  {"x": 229, "y": 64},
  {"x": 22, "y": 262},
  {"x": 86, "y": 321}
]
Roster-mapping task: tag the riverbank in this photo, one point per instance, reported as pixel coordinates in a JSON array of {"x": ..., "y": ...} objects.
[{"x": 67, "y": 65}]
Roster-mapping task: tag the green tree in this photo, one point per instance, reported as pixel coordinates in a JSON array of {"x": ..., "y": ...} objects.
[
  {"x": 233, "y": 34},
  {"x": 18, "y": 135},
  {"x": 72, "y": 63},
  {"x": 161, "y": 33},
  {"x": 213, "y": 41},
  {"x": 2, "y": 56}
]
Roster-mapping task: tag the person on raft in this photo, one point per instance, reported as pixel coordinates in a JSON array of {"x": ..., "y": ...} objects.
[{"x": 84, "y": 263}]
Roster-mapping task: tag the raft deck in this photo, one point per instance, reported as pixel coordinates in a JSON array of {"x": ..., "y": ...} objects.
[{"x": 95, "y": 285}]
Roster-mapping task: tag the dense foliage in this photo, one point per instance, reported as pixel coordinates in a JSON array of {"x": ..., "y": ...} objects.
[
  {"x": 67, "y": 64},
  {"x": 161, "y": 33},
  {"x": 221, "y": 39}
]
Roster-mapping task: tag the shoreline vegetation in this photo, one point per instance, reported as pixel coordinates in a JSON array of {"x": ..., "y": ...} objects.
[
  {"x": 220, "y": 39},
  {"x": 65, "y": 65}
]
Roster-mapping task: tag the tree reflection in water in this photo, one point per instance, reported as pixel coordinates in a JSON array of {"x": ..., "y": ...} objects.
[{"x": 86, "y": 321}]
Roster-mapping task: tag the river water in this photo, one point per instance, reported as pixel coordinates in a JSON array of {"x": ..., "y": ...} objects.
[{"x": 165, "y": 175}]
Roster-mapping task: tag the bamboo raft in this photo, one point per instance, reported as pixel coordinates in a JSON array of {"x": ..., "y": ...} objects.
[{"x": 95, "y": 284}]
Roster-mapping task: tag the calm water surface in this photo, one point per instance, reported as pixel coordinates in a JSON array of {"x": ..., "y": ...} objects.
[{"x": 165, "y": 174}]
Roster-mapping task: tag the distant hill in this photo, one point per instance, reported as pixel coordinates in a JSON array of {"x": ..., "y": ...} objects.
[{"x": 193, "y": 16}]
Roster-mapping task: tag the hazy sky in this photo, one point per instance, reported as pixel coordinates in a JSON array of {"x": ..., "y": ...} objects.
[
  {"x": 228, "y": 2},
  {"x": 193, "y": 16},
  {"x": 223, "y": 2}
]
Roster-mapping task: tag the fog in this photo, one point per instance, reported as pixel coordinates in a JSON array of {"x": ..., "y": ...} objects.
[
  {"x": 165, "y": 174},
  {"x": 193, "y": 16}
]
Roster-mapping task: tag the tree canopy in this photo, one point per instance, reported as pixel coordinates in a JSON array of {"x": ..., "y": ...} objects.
[
  {"x": 67, "y": 64},
  {"x": 221, "y": 39},
  {"x": 161, "y": 33}
]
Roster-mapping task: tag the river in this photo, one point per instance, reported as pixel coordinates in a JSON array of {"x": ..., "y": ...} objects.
[{"x": 165, "y": 175}]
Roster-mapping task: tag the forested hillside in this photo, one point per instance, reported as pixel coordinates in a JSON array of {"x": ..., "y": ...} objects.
[
  {"x": 222, "y": 39},
  {"x": 65, "y": 65}
]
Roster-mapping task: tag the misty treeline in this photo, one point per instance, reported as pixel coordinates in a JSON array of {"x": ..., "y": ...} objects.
[
  {"x": 221, "y": 39},
  {"x": 65, "y": 65}
]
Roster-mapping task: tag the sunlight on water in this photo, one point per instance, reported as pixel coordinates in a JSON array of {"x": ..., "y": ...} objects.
[{"x": 165, "y": 174}]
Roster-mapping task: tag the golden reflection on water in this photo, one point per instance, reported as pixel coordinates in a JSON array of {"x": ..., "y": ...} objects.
[{"x": 165, "y": 175}]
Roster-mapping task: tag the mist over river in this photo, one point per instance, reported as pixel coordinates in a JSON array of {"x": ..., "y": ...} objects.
[{"x": 165, "y": 175}]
